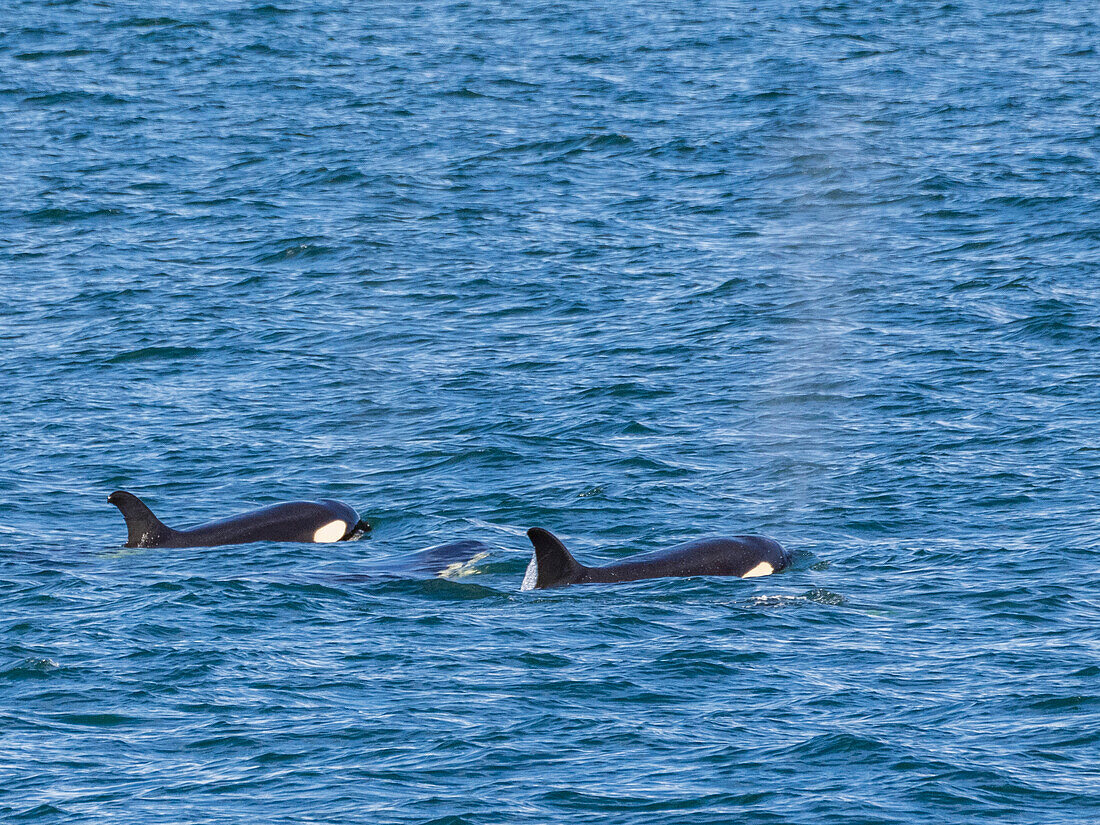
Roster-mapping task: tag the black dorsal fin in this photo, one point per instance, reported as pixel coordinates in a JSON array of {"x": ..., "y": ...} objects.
[
  {"x": 554, "y": 565},
  {"x": 145, "y": 529}
]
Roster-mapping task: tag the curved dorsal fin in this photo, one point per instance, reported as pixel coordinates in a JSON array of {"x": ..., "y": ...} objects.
[
  {"x": 554, "y": 565},
  {"x": 144, "y": 529}
]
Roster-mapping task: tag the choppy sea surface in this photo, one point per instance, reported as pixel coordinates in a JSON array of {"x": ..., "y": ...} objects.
[{"x": 632, "y": 273}]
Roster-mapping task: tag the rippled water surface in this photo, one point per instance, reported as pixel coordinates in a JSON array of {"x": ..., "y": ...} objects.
[{"x": 822, "y": 271}]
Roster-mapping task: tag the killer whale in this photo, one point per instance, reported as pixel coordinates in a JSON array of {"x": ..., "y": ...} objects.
[
  {"x": 743, "y": 556},
  {"x": 326, "y": 520}
]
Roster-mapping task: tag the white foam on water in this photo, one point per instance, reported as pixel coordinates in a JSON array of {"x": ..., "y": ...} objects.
[{"x": 531, "y": 576}]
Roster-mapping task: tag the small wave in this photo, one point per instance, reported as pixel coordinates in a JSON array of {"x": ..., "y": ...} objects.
[
  {"x": 64, "y": 215},
  {"x": 77, "y": 97},
  {"x": 228, "y": 742},
  {"x": 295, "y": 250},
  {"x": 264, "y": 49},
  {"x": 33, "y": 57},
  {"x": 145, "y": 23},
  {"x": 844, "y": 745},
  {"x": 1065, "y": 703},
  {"x": 33, "y": 667},
  {"x": 266, "y": 11},
  {"x": 553, "y": 150},
  {"x": 45, "y": 812},
  {"x": 155, "y": 354},
  {"x": 437, "y": 589},
  {"x": 544, "y": 660},
  {"x": 463, "y": 94},
  {"x": 816, "y": 596},
  {"x": 324, "y": 176},
  {"x": 598, "y": 490},
  {"x": 97, "y": 720},
  {"x": 627, "y": 389}
]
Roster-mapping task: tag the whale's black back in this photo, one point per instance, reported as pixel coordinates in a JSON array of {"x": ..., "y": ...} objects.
[
  {"x": 743, "y": 556},
  {"x": 299, "y": 521}
]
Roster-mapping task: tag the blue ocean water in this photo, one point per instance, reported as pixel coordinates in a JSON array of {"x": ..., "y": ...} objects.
[{"x": 824, "y": 270}]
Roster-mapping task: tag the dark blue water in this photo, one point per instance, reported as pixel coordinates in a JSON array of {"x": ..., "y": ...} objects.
[{"x": 824, "y": 271}]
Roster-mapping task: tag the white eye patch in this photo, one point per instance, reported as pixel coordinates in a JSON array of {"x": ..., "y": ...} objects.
[
  {"x": 334, "y": 531},
  {"x": 762, "y": 569}
]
